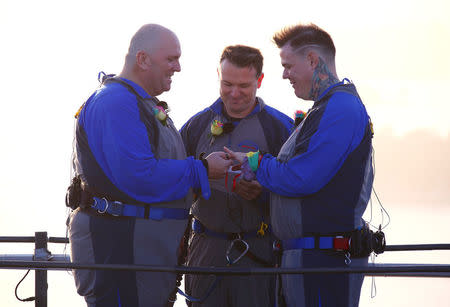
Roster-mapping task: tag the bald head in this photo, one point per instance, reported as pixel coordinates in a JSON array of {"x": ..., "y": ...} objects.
[
  {"x": 152, "y": 59},
  {"x": 147, "y": 39}
]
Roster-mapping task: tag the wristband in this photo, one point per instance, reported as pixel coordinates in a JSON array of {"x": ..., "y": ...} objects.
[{"x": 204, "y": 161}]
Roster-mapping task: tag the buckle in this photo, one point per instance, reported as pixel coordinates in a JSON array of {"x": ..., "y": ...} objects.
[
  {"x": 115, "y": 208},
  {"x": 341, "y": 244}
]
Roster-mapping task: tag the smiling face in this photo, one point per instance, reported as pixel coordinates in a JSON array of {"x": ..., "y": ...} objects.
[
  {"x": 299, "y": 71},
  {"x": 238, "y": 87},
  {"x": 162, "y": 63}
]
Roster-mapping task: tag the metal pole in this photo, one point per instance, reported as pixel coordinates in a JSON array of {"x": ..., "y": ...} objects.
[
  {"x": 41, "y": 286},
  {"x": 370, "y": 269}
]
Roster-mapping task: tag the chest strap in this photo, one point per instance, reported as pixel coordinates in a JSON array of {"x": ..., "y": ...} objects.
[{"x": 116, "y": 208}]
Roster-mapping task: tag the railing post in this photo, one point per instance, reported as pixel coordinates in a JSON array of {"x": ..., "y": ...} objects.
[{"x": 41, "y": 286}]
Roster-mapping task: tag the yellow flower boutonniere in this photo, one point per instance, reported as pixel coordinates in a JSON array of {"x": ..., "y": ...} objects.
[
  {"x": 215, "y": 130},
  {"x": 218, "y": 128},
  {"x": 160, "y": 114}
]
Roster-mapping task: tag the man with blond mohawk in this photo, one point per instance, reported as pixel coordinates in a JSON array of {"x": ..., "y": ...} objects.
[{"x": 131, "y": 192}]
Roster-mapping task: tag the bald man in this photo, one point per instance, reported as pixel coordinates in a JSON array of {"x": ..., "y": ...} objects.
[{"x": 132, "y": 187}]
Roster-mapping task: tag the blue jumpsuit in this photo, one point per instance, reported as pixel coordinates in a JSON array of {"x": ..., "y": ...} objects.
[
  {"x": 321, "y": 183},
  {"x": 124, "y": 153}
]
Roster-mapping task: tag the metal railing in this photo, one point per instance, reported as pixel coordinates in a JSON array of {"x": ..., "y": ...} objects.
[{"x": 42, "y": 261}]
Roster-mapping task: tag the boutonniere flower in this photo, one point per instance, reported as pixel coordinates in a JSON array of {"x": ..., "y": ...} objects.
[
  {"x": 299, "y": 117},
  {"x": 216, "y": 128},
  {"x": 160, "y": 114}
]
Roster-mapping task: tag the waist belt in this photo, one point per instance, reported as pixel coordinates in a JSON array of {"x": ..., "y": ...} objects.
[
  {"x": 117, "y": 208},
  {"x": 358, "y": 243},
  {"x": 198, "y": 227},
  {"x": 336, "y": 243}
]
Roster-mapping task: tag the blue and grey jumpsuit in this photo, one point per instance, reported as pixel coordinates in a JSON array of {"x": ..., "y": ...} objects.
[
  {"x": 124, "y": 153},
  {"x": 321, "y": 183},
  {"x": 225, "y": 213}
]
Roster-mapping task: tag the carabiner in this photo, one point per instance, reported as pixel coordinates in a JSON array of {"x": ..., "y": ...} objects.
[{"x": 231, "y": 262}]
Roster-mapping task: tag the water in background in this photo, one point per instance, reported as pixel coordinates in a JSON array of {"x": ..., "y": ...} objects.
[{"x": 409, "y": 225}]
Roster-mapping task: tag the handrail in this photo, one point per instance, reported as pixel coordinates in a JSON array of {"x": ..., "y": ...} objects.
[
  {"x": 43, "y": 260},
  {"x": 9, "y": 239},
  {"x": 371, "y": 268},
  {"x": 388, "y": 248}
]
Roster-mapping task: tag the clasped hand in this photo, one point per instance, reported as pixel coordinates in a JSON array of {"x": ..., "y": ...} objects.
[{"x": 219, "y": 163}]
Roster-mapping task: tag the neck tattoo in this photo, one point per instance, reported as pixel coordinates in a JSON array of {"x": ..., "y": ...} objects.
[{"x": 321, "y": 80}]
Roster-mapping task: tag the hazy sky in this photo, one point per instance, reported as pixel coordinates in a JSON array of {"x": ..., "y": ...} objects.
[{"x": 396, "y": 53}]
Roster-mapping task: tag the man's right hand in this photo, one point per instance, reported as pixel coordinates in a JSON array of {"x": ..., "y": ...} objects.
[{"x": 218, "y": 164}]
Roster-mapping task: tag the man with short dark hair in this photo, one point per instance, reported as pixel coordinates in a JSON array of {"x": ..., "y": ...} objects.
[
  {"x": 237, "y": 214},
  {"x": 322, "y": 178},
  {"x": 132, "y": 190}
]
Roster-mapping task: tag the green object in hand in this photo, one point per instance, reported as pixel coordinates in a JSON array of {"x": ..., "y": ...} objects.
[{"x": 253, "y": 160}]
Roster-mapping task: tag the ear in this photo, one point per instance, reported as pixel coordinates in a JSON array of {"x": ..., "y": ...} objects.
[
  {"x": 142, "y": 60},
  {"x": 260, "y": 79},
  {"x": 312, "y": 59},
  {"x": 218, "y": 73}
]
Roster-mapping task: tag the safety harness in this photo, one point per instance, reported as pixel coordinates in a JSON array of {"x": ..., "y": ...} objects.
[
  {"x": 116, "y": 208},
  {"x": 78, "y": 196},
  {"x": 359, "y": 243},
  {"x": 355, "y": 244},
  {"x": 336, "y": 243},
  {"x": 237, "y": 241}
]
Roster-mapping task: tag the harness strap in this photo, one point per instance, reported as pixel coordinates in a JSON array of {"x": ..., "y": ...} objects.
[
  {"x": 199, "y": 228},
  {"x": 117, "y": 208},
  {"x": 336, "y": 243}
]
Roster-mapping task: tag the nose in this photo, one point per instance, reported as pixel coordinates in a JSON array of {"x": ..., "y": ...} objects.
[
  {"x": 234, "y": 91},
  {"x": 177, "y": 66},
  {"x": 285, "y": 74}
]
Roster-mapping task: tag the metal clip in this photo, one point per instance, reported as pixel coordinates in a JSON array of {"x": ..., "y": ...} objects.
[
  {"x": 106, "y": 208},
  {"x": 262, "y": 229},
  {"x": 347, "y": 258},
  {"x": 231, "y": 262}
]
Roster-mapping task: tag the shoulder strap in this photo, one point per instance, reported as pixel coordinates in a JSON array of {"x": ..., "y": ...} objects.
[
  {"x": 345, "y": 88},
  {"x": 152, "y": 128}
]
